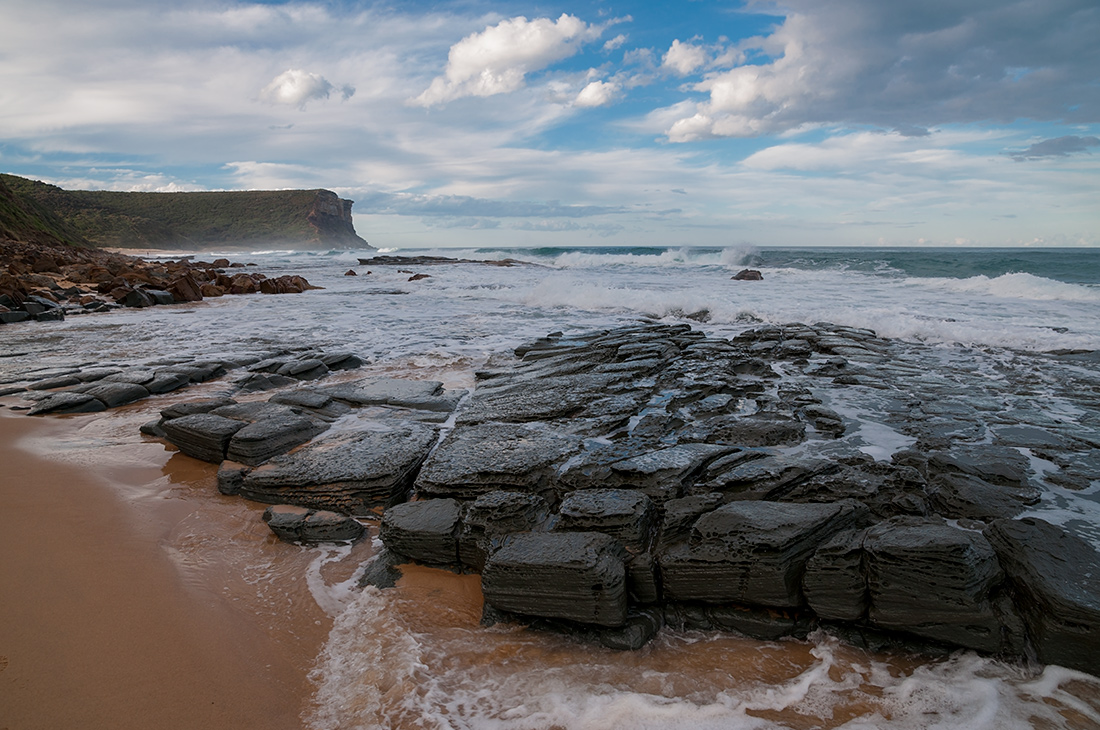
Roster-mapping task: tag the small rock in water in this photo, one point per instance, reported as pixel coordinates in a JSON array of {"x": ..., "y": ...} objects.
[
  {"x": 298, "y": 524},
  {"x": 748, "y": 275}
]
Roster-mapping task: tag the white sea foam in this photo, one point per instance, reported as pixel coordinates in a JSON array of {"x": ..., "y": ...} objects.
[
  {"x": 1015, "y": 286},
  {"x": 384, "y": 669}
]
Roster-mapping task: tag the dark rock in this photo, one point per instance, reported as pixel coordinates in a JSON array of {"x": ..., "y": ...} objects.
[
  {"x": 748, "y": 275},
  {"x": 315, "y": 402},
  {"x": 577, "y": 576},
  {"x": 298, "y": 524},
  {"x": 933, "y": 580},
  {"x": 493, "y": 515},
  {"x": 203, "y": 436},
  {"x": 680, "y": 516},
  {"x": 13, "y": 317},
  {"x": 1056, "y": 580},
  {"x": 308, "y": 369},
  {"x": 474, "y": 460},
  {"x": 751, "y": 552},
  {"x": 640, "y": 627},
  {"x": 622, "y": 513},
  {"x": 426, "y": 531},
  {"x": 994, "y": 464},
  {"x": 754, "y": 430},
  {"x": 350, "y": 272},
  {"x": 67, "y": 402},
  {"x": 350, "y": 472},
  {"x": 50, "y": 315},
  {"x": 663, "y": 474},
  {"x": 761, "y": 623},
  {"x": 117, "y": 394},
  {"x": 189, "y": 408},
  {"x": 166, "y": 382},
  {"x": 834, "y": 582},
  {"x": 50, "y": 383},
  {"x": 253, "y": 411},
  {"x": 160, "y": 296},
  {"x": 416, "y": 394},
  {"x": 963, "y": 496},
  {"x": 382, "y": 570},
  {"x": 341, "y": 360},
  {"x": 138, "y": 298},
  {"x": 153, "y": 428},
  {"x": 259, "y": 441},
  {"x": 231, "y": 477},
  {"x": 262, "y": 381}
]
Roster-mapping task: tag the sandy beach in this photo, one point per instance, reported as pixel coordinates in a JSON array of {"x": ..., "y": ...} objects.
[{"x": 99, "y": 628}]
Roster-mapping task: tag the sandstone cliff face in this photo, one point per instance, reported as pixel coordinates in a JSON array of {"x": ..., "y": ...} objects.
[
  {"x": 233, "y": 219},
  {"x": 331, "y": 218}
]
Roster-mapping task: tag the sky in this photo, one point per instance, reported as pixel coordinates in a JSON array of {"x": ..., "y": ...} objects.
[{"x": 636, "y": 123}]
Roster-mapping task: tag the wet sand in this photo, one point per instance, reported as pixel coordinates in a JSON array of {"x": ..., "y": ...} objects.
[{"x": 101, "y": 628}]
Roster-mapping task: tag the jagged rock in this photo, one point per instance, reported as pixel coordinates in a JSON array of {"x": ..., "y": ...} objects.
[
  {"x": 350, "y": 472},
  {"x": 622, "y": 513},
  {"x": 298, "y": 524},
  {"x": 748, "y": 275},
  {"x": 834, "y": 582},
  {"x": 663, "y": 474},
  {"x": 577, "y": 576},
  {"x": 159, "y": 296},
  {"x": 933, "y": 580},
  {"x": 640, "y": 627},
  {"x": 474, "y": 460},
  {"x": 751, "y": 552},
  {"x": 1056, "y": 580},
  {"x": 995, "y": 464},
  {"x": 67, "y": 402},
  {"x": 424, "y": 531},
  {"x": 759, "y": 474},
  {"x": 493, "y": 515},
  {"x": 117, "y": 394},
  {"x": 203, "y": 436},
  {"x": 680, "y": 516},
  {"x": 231, "y": 477},
  {"x": 547, "y": 398}
]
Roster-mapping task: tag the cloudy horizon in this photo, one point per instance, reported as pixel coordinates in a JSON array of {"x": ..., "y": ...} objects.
[{"x": 803, "y": 122}]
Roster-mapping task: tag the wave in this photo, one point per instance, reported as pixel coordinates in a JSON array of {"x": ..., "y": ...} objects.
[
  {"x": 1016, "y": 286},
  {"x": 398, "y": 659}
]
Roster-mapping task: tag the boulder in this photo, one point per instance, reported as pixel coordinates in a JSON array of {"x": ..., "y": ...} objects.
[
  {"x": 424, "y": 531},
  {"x": 307, "y": 369},
  {"x": 751, "y": 552},
  {"x": 748, "y": 275},
  {"x": 577, "y": 576},
  {"x": 928, "y": 578},
  {"x": 187, "y": 408},
  {"x": 622, "y": 513},
  {"x": 351, "y": 472},
  {"x": 1056, "y": 580},
  {"x": 298, "y": 524},
  {"x": 203, "y": 436}
]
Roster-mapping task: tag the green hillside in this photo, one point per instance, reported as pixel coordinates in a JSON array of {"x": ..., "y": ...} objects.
[
  {"x": 22, "y": 218},
  {"x": 299, "y": 218}
]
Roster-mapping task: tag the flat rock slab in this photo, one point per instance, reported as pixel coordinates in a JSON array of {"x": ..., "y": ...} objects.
[
  {"x": 67, "y": 402},
  {"x": 351, "y": 472},
  {"x": 425, "y": 531},
  {"x": 203, "y": 436},
  {"x": 117, "y": 394},
  {"x": 390, "y": 392},
  {"x": 1057, "y": 580},
  {"x": 662, "y": 474},
  {"x": 933, "y": 580},
  {"x": 259, "y": 441},
  {"x": 577, "y": 576},
  {"x": 298, "y": 524},
  {"x": 473, "y": 460},
  {"x": 751, "y": 552}
]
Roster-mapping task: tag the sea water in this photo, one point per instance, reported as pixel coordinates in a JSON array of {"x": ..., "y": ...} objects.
[{"x": 417, "y": 657}]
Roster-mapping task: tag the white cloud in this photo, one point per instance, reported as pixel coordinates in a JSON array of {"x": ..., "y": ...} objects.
[
  {"x": 683, "y": 58},
  {"x": 296, "y": 87},
  {"x": 597, "y": 93},
  {"x": 615, "y": 43},
  {"x": 497, "y": 60},
  {"x": 909, "y": 65}
]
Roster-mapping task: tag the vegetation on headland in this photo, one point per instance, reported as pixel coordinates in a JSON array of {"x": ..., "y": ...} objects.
[{"x": 297, "y": 218}]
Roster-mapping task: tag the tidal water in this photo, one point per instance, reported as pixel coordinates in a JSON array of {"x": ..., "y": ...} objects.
[{"x": 416, "y": 656}]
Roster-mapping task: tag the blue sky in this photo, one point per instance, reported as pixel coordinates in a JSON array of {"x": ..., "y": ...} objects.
[{"x": 806, "y": 122}]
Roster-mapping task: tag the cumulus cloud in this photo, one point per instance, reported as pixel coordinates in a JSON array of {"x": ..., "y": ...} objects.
[
  {"x": 296, "y": 87},
  {"x": 906, "y": 65},
  {"x": 597, "y": 93},
  {"x": 683, "y": 58},
  {"x": 615, "y": 43},
  {"x": 1057, "y": 147},
  {"x": 497, "y": 60}
]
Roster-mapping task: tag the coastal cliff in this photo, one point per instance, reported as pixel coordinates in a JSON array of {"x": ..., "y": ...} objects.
[{"x": 316, "y": 219}]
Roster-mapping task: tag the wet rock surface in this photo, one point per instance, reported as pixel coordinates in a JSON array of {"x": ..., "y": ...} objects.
[{"x": 614, "y": 481}]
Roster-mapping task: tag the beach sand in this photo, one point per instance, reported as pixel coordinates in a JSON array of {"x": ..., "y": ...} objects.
[{"x": 100, "y": 627}]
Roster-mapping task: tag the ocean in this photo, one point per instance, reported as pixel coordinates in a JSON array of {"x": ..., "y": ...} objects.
[{"x": 416, "y": 657}]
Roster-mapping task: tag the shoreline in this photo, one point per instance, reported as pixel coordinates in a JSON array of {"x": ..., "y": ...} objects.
[{"x": 100, "y": 628}]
